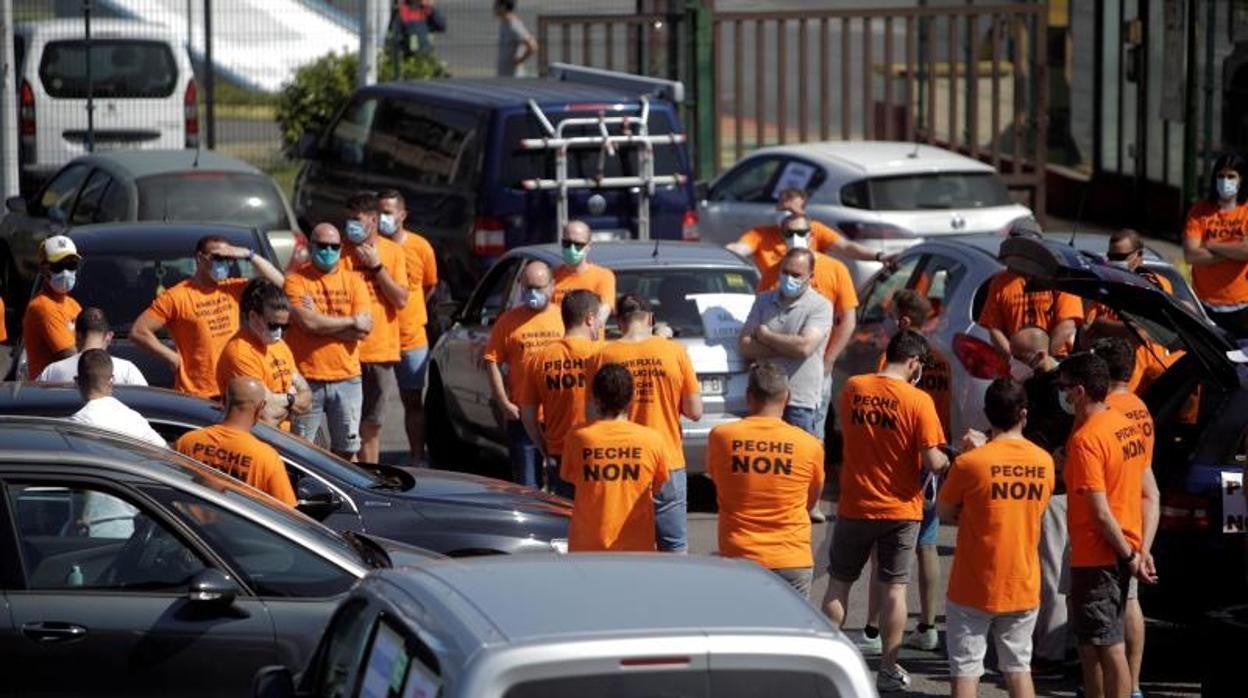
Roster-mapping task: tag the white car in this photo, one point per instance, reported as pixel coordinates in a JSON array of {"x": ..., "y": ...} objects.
[
  {"x": 142, "y": 86},
  {"x": 884, "y": 195}
]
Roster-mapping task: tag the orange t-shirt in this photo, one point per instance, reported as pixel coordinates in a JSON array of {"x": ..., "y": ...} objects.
[
  {"x": 1003, "y": 488},
  {"x": 517, "y": 332},
  {"x": 1099, "y": 311},
  {"x": 662, "y": 376},
  {"x": 200, "y": 320},
  {"x": 381, "y": 346},
  {"x": 1104, "y": 454},
  {"x": 1009, "y": 307},
  {"x": 271, "y": 364},
  {"x": 600, "y": 280},
  {"x": 886, "y": 424},
  {"x": 769, "y": 248},
  {"x": 937, "y": 381},
  {"x": 340, "y": 293},
  {"x": 1224, "y": 282},
  {"x": 555, "y": 381},
  {"x": 241, "y": 456},
  {"x": 831, "y": 279},
  {"x": 617, "y": 469},
  {"x": 47, "y": 330},
  {"x": 1130, "y": 404},
  {"x": 766, "y": 472},
  {"x": 4, "y": 331},
  {"x": 422, "y": 275}
]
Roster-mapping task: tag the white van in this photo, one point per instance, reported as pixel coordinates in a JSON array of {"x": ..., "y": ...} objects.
[{"x": 143, "y": 86}]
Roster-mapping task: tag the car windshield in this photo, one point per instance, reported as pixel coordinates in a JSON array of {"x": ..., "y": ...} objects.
[
  {"x": 668, "y": 290},
  {"x": 237, "y": 198},
  {"x": 927, "y": 192},
  {"x": 120, "y": 68}
]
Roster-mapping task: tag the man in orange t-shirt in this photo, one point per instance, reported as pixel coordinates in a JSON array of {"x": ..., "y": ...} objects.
[
  {"x": 422, "y": 279},
  {"x": 332, "y": 314},
  {"x": 201, "y": 314},
  {"x": 383, "y": 266},
  {"x": 48, "y": 323},
  {"x": 768, "y": 474},
  {"x": 1104, "y": 470},
  {"x": 891, "y": 435},
  {"x": 259, "y": 351},
  {"x": 519, "y": 332},
  {"x": 231, "y": 448},
  {"x": 1012, "y": 303},
  {"x": 996, "y": 493},
  {"x": 664, "y": 388},
  {"x": 616, "y": 468},
  {"x": 1125, "y": 252},
  {"x": 1215, "y": 245},
  {"x": 555, "y": 386},
  {"x": 577, "y": 272}
]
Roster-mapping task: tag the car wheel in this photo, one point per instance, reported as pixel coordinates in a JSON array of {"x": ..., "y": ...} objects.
[{"x": 446, "y": 449}]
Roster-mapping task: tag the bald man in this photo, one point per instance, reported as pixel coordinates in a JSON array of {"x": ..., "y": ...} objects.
[
  {"x": 577, "y": 272},
  {"x": 519, "y": 333},
  {"x": 230, "y": 447}
]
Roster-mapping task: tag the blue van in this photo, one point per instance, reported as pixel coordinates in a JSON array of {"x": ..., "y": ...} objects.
[{"x": 456, "y": 150}]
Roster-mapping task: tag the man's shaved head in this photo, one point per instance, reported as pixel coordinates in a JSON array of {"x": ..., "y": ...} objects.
[
  {"x": 577, "y": 231},
  {"x": 537, "y": 274},
  {"x": 1028, "y": 342},
  {"x": 326, "y": 233},
  {"x": 243, "y": 394}
]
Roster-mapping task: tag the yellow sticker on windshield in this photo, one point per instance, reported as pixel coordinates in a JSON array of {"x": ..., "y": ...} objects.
[{"x": 737, "y": 282}]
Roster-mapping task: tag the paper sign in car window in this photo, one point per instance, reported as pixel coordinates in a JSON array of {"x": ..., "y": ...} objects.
[
  {"x": 796, "y": 175},
  {"x": 723, "y": 314},
  {"x": 1234, "y": 507},
  {"x": 421, "y": 683},
  {"x": 386, "y": 651}
]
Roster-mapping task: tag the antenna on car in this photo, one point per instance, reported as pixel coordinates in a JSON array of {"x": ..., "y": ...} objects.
[
  {"x": 914, "y": 154},
  {"x": 655, "y": 253},
  {"x": 1074, "y": 228},
  {"x": 195, "y": 162}
]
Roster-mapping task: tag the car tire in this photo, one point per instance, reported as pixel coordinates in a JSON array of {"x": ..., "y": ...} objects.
[{"x": 446, "y": 449}]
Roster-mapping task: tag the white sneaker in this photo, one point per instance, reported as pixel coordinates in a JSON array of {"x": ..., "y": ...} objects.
[
  {"x": 892, "y": 681},
  {"x": 927, "y": 640},
  {"x": 868, "y": 645}
]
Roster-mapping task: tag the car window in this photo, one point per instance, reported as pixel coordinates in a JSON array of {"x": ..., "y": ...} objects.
[
  {"x": 240, "y": 198},
  {"x": 879, "y": 296},
  {"x": 396, "y": 666},
  {"x": 346, "y": 143},
  {"x": 423, "y": 144},
  {"x": 667, "y": 289},
  {"x": 749, "y": 181},
  {"x": 114, "y": 205},
  {"x": 120, "y": 68},
  {"x": 58, "y": 197},
  {"x": 344, "y": 646},
  {"x": 927, "y": 192},
  {"x": 937, "y": 280},
  {"x": 491, "y": 298},
  {"x": 88, "y": 204},
  {"x": 85, "y": 537},
  {"x": 798, "y": 174}
]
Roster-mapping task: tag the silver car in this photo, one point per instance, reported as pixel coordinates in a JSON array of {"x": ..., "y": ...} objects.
[
  {"x": 563, "y": 627},
  {"x": 461, "y": 406}
]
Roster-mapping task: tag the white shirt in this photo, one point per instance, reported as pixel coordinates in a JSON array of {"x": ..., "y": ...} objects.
[
  {"x": 110, "y": 413},
  {"x": 66, "y": 371}
]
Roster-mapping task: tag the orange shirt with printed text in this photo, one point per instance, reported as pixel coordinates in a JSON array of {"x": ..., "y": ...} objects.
[
  {"x": 4, "y": 331},
  {"x": 271, "y": 364},
  {"x": 381, "y": 346},
  {"x": 1130, "y": 404},
  {"x": 600, "y": 280},
  {"x": 1002, "y": 488},
  {"x": 200, "y": 320},
  {"x": 769, "y": 248},
  {"x": 767, "y": 475},
  {"x": 832, "y": 280},
  {"x": 1009, "y": 306},
  {"x": 515, "y": 334},
  {"x": 241, "y": 456},
  {"x": 1104, "y": 454},
  {"x": 338, "y": 294},
  {"x": 47, "y": 330},
  {"x": 422, "y": 276},
  {"x": 886, "y": 424},
  {"x": 937, "y": 381},
  {"x": 555, "y": 381},
  {"x": 1224, "y": 282},
  {"x": 617, "y": 469}
]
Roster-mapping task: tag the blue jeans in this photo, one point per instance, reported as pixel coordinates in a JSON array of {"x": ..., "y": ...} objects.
[
  {"x": 821, "y": 413},
  {"x": 555, "y": 484},
  {"x": 671, "y": 519},
  {"x": 526, "y": 460},
  {"x": 801, "y": 417},
  {"x": 342, "y": 402}
]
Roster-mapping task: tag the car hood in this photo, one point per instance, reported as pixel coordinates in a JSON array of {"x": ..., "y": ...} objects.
[
  {"x": 444, "y": 486},
  {"x": 1055, "y": 265}
]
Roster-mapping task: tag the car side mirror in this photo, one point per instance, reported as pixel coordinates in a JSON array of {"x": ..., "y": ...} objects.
[
  {"x": 15, "y": 204},
  {"x": 212, "y": 587},
  {"x": 273, "y": 682},
  {"x": 307, "y": 148},
  {"x": 315, "y": 499},
  {"x": 702, "y": 191}
]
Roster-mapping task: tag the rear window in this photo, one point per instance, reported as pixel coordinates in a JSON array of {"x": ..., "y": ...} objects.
[
  {"x": 239, "y": 198},
  {"x": 927, "y": 192},
  {"x": 121, "y": 68},
  {"x": 666, "y": 289},
  {"x": 683, "y": 684}
]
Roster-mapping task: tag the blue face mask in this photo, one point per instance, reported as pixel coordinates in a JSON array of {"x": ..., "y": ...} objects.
[
  {"x": 63, "y": 281},
  {"x": 220, "y": 271},
  {"x": 791, "y": 286},
  {"x": 387, "y": 224},
  {"x": 535, "y": 299},
  {"x": 355, "y": 230},
  {"x": 324, "y": 258}
]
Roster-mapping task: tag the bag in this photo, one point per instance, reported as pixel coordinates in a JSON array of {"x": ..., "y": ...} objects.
[{"x": 436, "y": 21}]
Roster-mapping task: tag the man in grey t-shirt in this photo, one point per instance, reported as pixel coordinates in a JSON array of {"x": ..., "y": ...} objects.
[
  {"x": 789, "y": 326},
  {"x": 515, "y": 44}
]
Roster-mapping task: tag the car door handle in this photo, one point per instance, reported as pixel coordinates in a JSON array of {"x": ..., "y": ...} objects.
[{"x": 54, "y": 631}]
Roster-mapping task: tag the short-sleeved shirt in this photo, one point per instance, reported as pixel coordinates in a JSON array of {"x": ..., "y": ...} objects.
[
  {"x": 937, "y": 381},
  {"x": 66, "y": 371},
  {"x": 617, "y": 469},
  {"x": 555, "y": 381},
  {"x": 832, "y": 280},
  {"x": 1104, "y": 454},
  {"x": 511, "y": 33},
  {"x": 1224, "y": 282},
  {"x": 200, "y": 319},
  {"x": 600, "y": 280},
  {"x": 1009, "y": 306},
  {"x": 382, "y": 343},
  {"x": 1099, "y": 311},
  {"x": 770, "y": 248},
  {"x": 1003, "y": 488},
  {"x": 1130, "y": 404},
  {"x": 4, "y": 331},
  {"x": 517, "y": 332},
  {"x": 271, "y": 364},
  {"x": 765, "y": 471},
  {"x": 339, "y": 293},
  {"x": 886, "y": 425},
  {"x": 422, "y": 275},
  {"x": 240, "y": 455},
  {"x": 47, "y": 330},
  {"x": 809, "y": 310}
]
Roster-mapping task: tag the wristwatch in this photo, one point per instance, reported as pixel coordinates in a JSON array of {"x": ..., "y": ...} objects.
[
  {"x": 251, "y": 254},
  {"x": 290, "y": 401},
  {"x": 879, "y": 256},
  {"x": 1126, "y": 561}
]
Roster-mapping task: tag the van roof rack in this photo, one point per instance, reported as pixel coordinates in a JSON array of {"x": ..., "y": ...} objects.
[{"x": 670, "y": 90}]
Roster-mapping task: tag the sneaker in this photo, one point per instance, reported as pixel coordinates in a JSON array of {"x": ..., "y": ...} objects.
[
  {"x": 817, "y": 515},
  {"x": 892, "y": 681},
  {"x": 868, "y": 645},
  {"x": 1137, "y": 694},
  {"x": 926, "y": 640}
]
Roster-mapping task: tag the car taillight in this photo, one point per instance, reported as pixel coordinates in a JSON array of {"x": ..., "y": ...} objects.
[
  {"x": 1184, "y": 512},
  {"x": 979, "y": 358},
  {"x": 26, "y": 113},
  {"x": 190, "y": 114},
  {"x": 488, "y": 237},
  {"x": 861, "y": 230},
  {"x": 689, "y": 227}
]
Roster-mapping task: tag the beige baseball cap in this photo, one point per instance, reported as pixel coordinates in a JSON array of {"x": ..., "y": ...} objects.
[{"x": 56, "y": 248}]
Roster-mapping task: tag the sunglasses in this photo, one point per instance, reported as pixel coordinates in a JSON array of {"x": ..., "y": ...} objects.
[
  {"x": 275, "y": 326},
  {"x": 64, "y": 265},
  {"x": 220, "y": 258},
  {"x": 1121, "y": 256},
  {"x": 572, "y": 243},
  {"x": 802, "y": 232},
  {"x": 327, "y": 245}
]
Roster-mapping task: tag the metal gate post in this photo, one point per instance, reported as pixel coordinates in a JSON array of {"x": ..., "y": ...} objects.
[{"x": 700, "y": 16}]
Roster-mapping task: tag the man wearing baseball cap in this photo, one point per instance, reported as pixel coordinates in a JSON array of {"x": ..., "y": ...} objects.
[{"x": 48, "y": 325}]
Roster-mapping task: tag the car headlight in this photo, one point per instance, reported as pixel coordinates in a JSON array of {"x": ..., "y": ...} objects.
[{"x": 559, "y": 545}]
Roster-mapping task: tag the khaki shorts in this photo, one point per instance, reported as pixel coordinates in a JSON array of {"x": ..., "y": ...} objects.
[
  {"x": 966, "y": 637},
  {"x": 892, "y": 540},
  {"x": 380, "y": 388}
]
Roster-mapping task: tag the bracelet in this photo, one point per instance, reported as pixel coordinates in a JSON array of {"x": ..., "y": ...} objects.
[
  {"x": 251, "y": 254},
  {"x": 879, "y": 256},
  {"x": 290, "y": 400}
]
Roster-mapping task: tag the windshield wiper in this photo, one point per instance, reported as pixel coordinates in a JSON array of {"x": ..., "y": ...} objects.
[{"x": 373, "y": 554}]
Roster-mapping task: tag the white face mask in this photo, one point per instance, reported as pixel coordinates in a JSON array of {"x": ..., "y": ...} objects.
[
  {"x": 1120, "y": 264},
  {"x": 1067, "y": 406},
  {"x": 797, "y": 242},
  {"x": 1228, "y": 187},
  {"x": 1020, "y": 371},
  {"x": 918, "y": 377}
]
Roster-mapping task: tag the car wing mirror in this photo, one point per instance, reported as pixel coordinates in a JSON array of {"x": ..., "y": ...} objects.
[
  {"x": 273, "y": 682},
  {"x": 702, "y": 191},
  {"x": 212, "y": 587},
  {"x": 15, "y": 204},
  {"x": 315, "y": 499}
]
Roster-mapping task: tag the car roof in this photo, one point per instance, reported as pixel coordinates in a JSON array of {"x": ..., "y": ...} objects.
[
  {"x": 633, "y": 254},
  {"x": 145, "y": 399},
  {"x": 144, "y": 163},
  {"x": 52, "y": 29},
  {"x": 881, "y": 158},
  {"x": 990, "y": 243},
  {"x": 154, "y": 236},
  {"x": 505, "y": 92},
  {"x": 582, "y": 595}
]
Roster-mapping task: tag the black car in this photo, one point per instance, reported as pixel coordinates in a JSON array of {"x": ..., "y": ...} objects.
[
  {"x": 451, "y": 513},
  {"x": 130, "y": 570},
  {"x": 1200, "y": 411}
]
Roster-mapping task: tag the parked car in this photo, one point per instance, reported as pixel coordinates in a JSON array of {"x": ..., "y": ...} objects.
[
  {"x": 955, "y": 271},
  {"x": 125, "y": 266},
  {"x": 452, "y": 147},
  {"x": 194, "y": 583},
  {"x": 885, "y": 195},
  {"x": 456, "y": 630},
  {"x": 461, "y": 406},
  {"x": 450, "y": 513},
  {"x": 141, "y": 81}
]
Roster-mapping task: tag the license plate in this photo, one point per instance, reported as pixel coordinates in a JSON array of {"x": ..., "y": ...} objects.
[{"x": 712, "y": 385}]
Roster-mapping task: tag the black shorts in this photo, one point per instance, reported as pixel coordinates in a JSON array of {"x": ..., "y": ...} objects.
[
  {"x": 853, "y": 540},
  {"x": 1098, "y": 596}
]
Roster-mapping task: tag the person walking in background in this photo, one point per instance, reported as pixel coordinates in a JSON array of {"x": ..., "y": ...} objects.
[
  {"x": 48, "y": 323},
  {"x": 767, "y": 474},
  {"x": 91, "y": 331},
  {"x": 515, "y": 44},
  {"x": 414, "y": 21},
  {"x": 1214, "y": 245}
]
